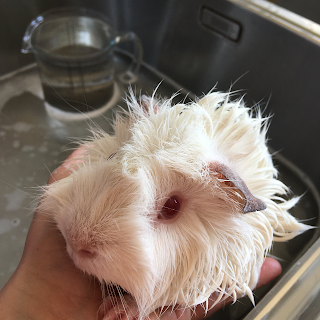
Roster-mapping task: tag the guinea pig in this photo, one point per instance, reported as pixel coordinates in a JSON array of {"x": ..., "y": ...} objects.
[{"x": 180, "y": 202}]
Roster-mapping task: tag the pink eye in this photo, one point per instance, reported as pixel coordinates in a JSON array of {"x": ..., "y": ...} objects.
[{"x": 170, "y": 209}]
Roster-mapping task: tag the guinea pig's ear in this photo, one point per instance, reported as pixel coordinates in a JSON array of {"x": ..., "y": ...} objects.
[
  {"x": 150, "y": 105},
  {"x": 232, "y": 179}
]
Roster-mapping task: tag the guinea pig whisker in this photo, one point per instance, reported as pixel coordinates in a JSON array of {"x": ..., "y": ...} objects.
[{"x": 111, "y": 294}]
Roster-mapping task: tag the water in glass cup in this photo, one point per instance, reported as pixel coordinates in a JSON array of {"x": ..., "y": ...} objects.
[{"x": 74, "y": 52}]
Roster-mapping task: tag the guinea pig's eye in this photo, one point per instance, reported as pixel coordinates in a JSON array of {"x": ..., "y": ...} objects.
[{"x": 170, "y": 209}]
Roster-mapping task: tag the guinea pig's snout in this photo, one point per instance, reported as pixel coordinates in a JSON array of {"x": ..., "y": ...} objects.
[
  {"x": 83, "y": 250},
  {"x": 85, "y": 253}
]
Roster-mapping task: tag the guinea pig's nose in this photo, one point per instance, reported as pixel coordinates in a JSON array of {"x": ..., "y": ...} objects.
[{"x": 86, "y": 253}]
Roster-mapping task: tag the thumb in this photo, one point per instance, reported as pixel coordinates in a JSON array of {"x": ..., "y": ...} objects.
[{"x": 68, "y": 166}]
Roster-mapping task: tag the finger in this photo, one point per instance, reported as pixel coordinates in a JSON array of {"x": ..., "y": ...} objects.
[
  {"x": 68, "y": 165},
  {"x": 270, "y": 270}
]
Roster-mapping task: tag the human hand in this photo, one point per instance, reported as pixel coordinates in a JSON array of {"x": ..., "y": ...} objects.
[{"x": 47, "y": 285}]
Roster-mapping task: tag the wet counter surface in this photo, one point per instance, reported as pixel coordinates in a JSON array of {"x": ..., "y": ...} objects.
[{"x": 33, "y": 144}]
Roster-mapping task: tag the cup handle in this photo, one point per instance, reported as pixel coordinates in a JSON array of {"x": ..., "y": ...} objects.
[
  {"x": 26, "y": 40},
  {"x": 132, "y": 72}
]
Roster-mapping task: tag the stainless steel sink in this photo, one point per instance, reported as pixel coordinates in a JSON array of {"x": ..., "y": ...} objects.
[{"x": 273, "y": 56}]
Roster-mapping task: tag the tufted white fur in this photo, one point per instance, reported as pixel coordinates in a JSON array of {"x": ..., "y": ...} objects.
[{"x": 109, "y": 206}]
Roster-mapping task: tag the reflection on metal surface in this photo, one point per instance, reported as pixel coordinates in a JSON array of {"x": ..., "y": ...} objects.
[
  {"x": 284, "y": 17},
  {"x": 220, "y": 24}
]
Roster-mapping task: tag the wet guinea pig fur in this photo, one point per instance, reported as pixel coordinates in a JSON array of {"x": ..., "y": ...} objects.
[{"x": 180, "y": 202}]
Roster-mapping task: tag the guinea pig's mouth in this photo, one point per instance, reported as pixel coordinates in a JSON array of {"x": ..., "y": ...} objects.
[{"x": 83, "y": 259}]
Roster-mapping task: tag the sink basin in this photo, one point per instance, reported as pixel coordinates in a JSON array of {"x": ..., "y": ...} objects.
[{"x": 240, "y": 44}]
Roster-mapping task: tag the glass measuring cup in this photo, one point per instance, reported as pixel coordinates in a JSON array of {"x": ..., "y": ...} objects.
[{"x": 74, "y": 50}]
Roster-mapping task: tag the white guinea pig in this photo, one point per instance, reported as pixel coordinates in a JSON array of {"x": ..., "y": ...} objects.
[{"x": 182, "y": 201}]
